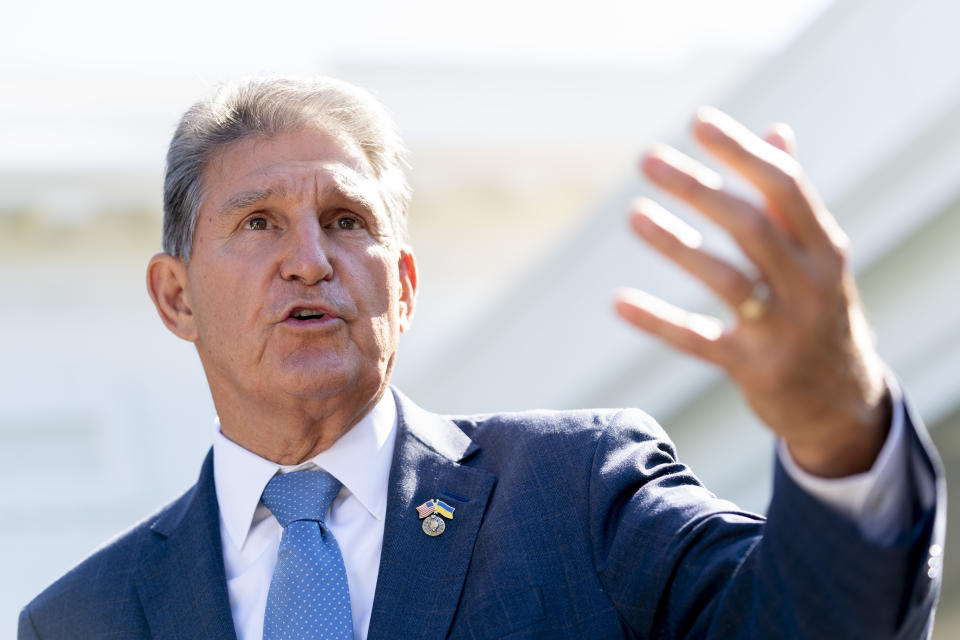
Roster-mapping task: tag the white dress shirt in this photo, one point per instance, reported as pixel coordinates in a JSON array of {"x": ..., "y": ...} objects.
[
  {"x": 360, "y": 460},
  {"x": 877, "y": 501}
]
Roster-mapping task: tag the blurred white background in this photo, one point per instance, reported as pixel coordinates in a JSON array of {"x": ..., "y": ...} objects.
[{"x": 525, "y": 121}]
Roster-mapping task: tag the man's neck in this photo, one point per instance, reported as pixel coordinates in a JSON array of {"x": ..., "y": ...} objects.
[{"x": 291, "y": 432}]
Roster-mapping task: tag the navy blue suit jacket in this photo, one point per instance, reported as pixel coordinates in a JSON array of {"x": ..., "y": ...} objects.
[{"x": 567, "y": 525}]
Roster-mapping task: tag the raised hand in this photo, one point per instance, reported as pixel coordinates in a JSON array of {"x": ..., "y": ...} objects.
[{"x": 800, "y": 351}]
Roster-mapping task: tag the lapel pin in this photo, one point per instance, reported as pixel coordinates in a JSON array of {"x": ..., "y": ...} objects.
[{"x": 433, "y": 525}]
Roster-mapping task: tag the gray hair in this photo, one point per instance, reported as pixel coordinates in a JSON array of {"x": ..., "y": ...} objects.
[{"x": 270, "y": 106}]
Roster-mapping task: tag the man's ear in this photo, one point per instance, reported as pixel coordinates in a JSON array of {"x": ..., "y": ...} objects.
[
  {"x": 166, "y": 283},
  {"x": 408, "y": 286}
]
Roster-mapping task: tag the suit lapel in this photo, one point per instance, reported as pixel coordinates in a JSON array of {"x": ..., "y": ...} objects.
[
  {"x": 180, "y": 578},
  {"x": 421, "y": 577}
]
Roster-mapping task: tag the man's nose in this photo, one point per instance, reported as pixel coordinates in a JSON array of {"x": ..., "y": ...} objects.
[{"x": 307, "y": 257}]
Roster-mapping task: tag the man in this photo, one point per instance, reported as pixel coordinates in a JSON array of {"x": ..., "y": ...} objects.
[{"x": 332, "y": 506}]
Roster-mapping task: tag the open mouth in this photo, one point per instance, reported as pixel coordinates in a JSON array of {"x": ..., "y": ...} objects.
[{"x": 307, "y": 314}]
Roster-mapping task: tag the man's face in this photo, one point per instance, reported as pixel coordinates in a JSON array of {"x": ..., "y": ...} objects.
[{"x": 296, "y": 283}]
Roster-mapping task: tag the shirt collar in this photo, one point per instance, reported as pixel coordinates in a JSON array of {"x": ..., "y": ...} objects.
[{"x": 360, "y": 459}]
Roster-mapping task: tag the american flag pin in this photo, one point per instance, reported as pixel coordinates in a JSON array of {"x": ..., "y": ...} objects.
[
  {"x": 426, "y": 509},
  {"x": 433, "y": 525}
]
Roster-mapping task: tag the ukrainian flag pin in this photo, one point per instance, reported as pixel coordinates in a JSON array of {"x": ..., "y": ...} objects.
[{"x": 433, "y": 525}]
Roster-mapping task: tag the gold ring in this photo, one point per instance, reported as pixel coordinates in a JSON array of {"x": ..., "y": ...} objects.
[{"x": 756, "y": 303}]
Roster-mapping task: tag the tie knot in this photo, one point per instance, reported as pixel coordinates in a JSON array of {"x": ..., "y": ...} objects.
[{"x": 300, "y": 495}]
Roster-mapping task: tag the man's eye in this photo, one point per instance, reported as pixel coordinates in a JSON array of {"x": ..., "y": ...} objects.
[
  {"x": 348, "y": 223},
  {"x": 257, "y": 224}
]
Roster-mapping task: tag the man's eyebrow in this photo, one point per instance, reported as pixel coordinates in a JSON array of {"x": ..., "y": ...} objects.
[
  {"x": 339, "y": 190},
  {"x": 350, "y": 193},
  {"x": 250, "y": 197}
]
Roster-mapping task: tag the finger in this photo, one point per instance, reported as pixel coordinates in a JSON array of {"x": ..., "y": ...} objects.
[
  {"x": 773, "y": 172},
  {"x": 681, "y": 244},
  {"x": 698, "y": 335},
  {"x": 781, "y": 136},
  {"x": 763, "y": 242}
]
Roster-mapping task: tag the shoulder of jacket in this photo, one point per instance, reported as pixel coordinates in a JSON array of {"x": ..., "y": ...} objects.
[
  {"x": 102, "y": 572},
  {"x": 579, "y": 424}
]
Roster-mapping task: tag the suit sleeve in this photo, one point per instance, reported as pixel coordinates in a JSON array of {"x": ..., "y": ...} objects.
[
  {"x": 25, "y": 628},
  {"x": 680, "y": 563}
]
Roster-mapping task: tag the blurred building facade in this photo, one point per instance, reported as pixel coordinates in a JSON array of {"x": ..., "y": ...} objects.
[
  {"x": 519, "y": 258},
  {"x": 878, "y": 122}
]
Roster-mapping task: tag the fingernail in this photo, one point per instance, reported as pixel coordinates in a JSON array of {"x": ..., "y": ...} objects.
[
  {"x": 655, "y": 163},
  {"x": 652, "y": 219},
  {"x": 709, "y": 113},
  {"x": 643, "y": 224},
  {"x": 665, "y": 162},
  {"x": 711, "y": 132},
  {"x": 709, "y": 122}
]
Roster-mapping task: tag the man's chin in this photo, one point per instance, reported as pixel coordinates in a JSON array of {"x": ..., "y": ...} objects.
[{"x": 325, "y": 382}]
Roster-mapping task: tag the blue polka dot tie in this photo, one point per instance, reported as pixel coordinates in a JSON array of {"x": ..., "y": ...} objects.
[{"x": 308, "y": 596}]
